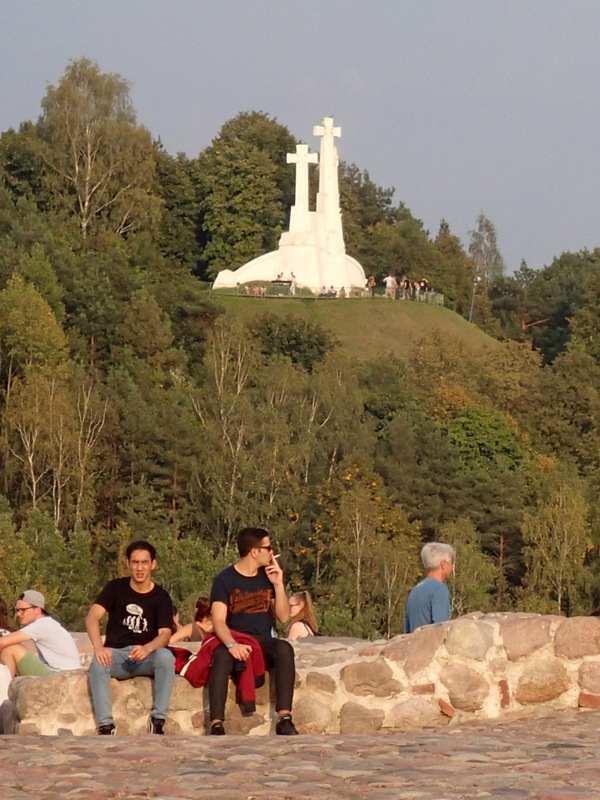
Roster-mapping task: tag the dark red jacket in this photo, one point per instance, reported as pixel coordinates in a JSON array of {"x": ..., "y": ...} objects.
[{"x": 247, "y": 677}]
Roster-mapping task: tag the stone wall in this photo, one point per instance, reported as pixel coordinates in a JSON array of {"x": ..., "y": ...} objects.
[{"x": 476, "y": 667}]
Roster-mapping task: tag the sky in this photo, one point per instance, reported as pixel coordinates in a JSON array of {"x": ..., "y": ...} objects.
[{"x": 463, "y": 106}]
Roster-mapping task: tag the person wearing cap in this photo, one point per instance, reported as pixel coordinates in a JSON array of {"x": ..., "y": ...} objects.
[
  {"x": 140, "y": 619},
  {"x": 56, "y": 648}
]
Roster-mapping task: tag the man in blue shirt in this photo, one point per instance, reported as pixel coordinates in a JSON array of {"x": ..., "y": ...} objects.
[{"x": 429, "y": 600}]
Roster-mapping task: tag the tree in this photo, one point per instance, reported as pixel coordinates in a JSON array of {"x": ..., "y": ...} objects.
[
  {"x": 363, "y": 204},
  {"x": 506, "y": 298},
  {"x": 31, "y": 343},
  {"x": 179, "y": 192},
  {"x": 585, "y": 323},
  {"x": 565, "y": 413},
  {"x": 100, "y": 166},
  {"x": 252, "y": 453},
  {"x": 552, "y": 299},
  {"x": 30, "y": 335},
  {"x": 557, "y": 543},
  {"x": 304, "y": 342},
  {"x": 457, "y": 270},
  {"x": 20, "y": 163},
  {"x": 482, "y": 439},
  {"x": 245, "y": 191},
  {"x": 371, "y": 548},
  {"x": 474, "y": 583},
  {"x": 483, "y": 247}
]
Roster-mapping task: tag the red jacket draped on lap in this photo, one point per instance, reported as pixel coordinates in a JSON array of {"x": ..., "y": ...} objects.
[{"x": 247, "y": 678}]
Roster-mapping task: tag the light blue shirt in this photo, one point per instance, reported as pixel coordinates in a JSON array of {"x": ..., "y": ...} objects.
[{"x": 428, "y": 602}]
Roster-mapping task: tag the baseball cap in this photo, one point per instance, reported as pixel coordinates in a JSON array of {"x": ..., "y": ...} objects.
[{"x": 34, "y": 598}]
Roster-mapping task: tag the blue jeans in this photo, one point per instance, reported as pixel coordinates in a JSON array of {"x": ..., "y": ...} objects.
[{"x": 159, "y": 665}]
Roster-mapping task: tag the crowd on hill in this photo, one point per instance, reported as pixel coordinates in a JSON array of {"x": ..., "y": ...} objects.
[{"x": 405, "y": 289}]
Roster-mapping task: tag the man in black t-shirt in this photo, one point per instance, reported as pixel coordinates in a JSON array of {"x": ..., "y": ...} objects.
[
  {"x": 140, "y": 615},
  {"x": 246, "y": 597}
]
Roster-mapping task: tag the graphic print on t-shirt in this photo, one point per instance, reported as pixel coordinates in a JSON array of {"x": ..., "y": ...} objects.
[
  {"x": 135, "y": 621},
  {"x": 252, "y": 602}
]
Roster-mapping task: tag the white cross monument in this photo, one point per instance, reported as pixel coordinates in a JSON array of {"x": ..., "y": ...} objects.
[
  {"x": 299, "y": 214},
  {"x": 313, "y": 249}
]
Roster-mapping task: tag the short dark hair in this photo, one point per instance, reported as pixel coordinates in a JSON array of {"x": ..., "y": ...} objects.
[
  {"x": 248, "y": 538},
  {"x": 140, "y": 545}
]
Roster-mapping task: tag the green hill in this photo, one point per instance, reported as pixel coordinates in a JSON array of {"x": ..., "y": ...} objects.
[{"x": 368, "y": 326}]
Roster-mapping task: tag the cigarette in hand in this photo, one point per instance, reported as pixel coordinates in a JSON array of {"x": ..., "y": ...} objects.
[{"x": 277, "y": 556}]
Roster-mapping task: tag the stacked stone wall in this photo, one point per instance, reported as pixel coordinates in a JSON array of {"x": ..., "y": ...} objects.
[{"x": 476, "y": 667}]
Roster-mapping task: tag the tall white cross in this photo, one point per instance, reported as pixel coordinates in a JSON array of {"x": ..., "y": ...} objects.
[
  {"x": 327, "y": 129},
  {"x": 302, "y": 158},
  {"x": 328, "y": 198}
]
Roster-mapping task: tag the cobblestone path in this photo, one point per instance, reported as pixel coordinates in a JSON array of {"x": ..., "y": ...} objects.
[{"x": 552, "y": 758}]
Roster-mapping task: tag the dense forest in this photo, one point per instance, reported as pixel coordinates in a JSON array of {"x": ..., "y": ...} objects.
[{"x": 133, "y": 403}]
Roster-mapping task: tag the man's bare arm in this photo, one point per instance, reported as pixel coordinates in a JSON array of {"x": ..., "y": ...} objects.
[
  {"x": 275, "y": 575},
  {"x": 92, "y": 626},
  {"x": 17, "y": 637}
]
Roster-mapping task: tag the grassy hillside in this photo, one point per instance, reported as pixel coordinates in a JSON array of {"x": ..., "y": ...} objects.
[{"x": 368, "y": 326}]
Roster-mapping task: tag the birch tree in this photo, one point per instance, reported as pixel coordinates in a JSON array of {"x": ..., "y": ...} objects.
[{"x": 100, "y": 166}]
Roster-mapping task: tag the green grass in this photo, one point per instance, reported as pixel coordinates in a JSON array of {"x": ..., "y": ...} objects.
[{"x": 367, "y": 327}]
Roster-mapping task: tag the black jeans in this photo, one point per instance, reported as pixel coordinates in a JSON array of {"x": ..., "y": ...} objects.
[{"x": 279, "y": 657}]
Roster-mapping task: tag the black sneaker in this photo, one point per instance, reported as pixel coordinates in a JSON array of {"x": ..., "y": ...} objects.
[
  {"x": 107, "y": 730},
  {"x": 156, "y": 725},
  {"x": 217, "y": 729},
  {"x": 285, "y": 726}
]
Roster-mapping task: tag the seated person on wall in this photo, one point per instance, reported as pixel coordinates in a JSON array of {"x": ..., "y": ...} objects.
[
  {"x": 197, "y": 630},
  {"x": 140, "y": 616},
  {"x": 429, "y": 600},
  {"x": 303, "y": 617},
  {"x": 56, "y": 648},
  {"x": 5, "y": 629},
  {"x": 244, "y": 597}
]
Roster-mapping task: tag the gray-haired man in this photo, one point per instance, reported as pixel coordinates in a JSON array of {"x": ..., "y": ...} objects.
[{"x": 429, "y": 600}]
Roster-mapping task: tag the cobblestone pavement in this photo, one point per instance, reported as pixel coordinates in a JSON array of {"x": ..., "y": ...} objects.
[{"x": 553, "y": 758}]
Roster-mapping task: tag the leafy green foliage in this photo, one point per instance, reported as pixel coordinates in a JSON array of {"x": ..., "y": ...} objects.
[
  {"x": 482, "y": 440},
  {"x": 99, "y": 165},
  {"x": 474, "y": 583},
  {"x": 553, "y": 297},
  {"x": 132, "y": 404},
  {"x": 557, "y": 542},
  {"x": 244, "y": 191},
  {"x": 305, "y": 343}
]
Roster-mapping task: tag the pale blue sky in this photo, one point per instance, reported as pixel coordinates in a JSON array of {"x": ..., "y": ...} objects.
[{"x": 464, "y": 106}]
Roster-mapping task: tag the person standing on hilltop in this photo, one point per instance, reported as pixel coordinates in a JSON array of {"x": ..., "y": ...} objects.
[
  {"x": 390, "y": 286},
  {"x": 429, "y": 600}
]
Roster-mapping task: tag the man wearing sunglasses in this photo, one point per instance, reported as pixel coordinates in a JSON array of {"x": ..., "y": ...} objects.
[
  {"x": 55, "y": 648},
  {"x": 246, "y": 598}
]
